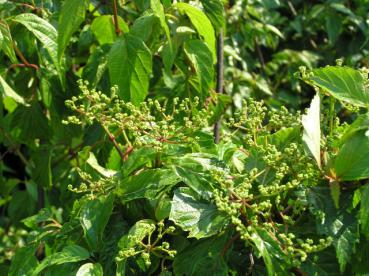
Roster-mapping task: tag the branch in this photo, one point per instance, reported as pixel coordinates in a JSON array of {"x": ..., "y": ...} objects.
[
  {"x": 112, "y": 139},
  {"x": 220, "y": 79},
  {"x": 115, "y": 16}
]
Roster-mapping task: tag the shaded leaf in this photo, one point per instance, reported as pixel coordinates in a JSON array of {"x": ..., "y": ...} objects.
[
  {"x": 7, "y": 91},
  {"x": 364, "y": 211},
  {"x": 24, "y": 261},
  {"x": 203, "y": 257},
  {"x": 215, "y": 11}
]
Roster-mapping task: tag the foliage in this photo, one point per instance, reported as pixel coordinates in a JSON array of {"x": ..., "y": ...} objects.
[{"x": 128, "y": 180}]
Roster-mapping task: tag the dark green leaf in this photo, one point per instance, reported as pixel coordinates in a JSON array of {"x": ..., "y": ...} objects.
[
  {"x": 200, "y": 218},
  {"x": 7, "y": 91},
  {"x": 130, "y": 66},
  {"x": 215, "y": 11},
  {"x": 203, "y": 257},
  {"x": 69, "y": 254},
  {"x": 352, "y": 162},
  {"x": 24, "y": 261},
  {"x": 364, "y": 211},
  {"x": 94, "y": 216},
  {"x": 147, "y": 184}
]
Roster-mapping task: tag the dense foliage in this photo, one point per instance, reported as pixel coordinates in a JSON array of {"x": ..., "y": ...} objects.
[{"x": 108, "y": 161}]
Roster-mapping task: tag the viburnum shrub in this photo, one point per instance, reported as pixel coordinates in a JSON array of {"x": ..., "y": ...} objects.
[{"x": 278, "y": 195}]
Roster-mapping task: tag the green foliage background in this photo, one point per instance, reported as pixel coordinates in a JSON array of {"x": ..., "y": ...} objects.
[{"x": 91, "y": 185}]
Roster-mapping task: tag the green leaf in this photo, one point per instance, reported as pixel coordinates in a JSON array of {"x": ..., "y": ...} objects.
[
  {"x": 147, "y": 184},
  {"x": 140, "y": 230},
  {"x": 7, "y": 91},
  {"x": 311, "y": 124},
  {"x": 145, "y": 27},
  {"x": 137, "y": 159},
  {"x": 45, "y": 33},
  {"x": 202, "y": 24},
  {"x": 158, "y": 11},
  {"x": 24, "y": 261},
  {"x": 364, "y": 211},
  {"x": 130, "y": 66},
  {"x": 69, "y": 254},
  {"x": 7, "y": 42},
  {"x": 96, "y": 65},
  {"x": 104, "y": 29},
  {"x": 203, "y": 257},
  {"x": 333, "y": 24},
  {"x": 200, "y": 56},
  {"x": 71, "y": 16},
  {"x": 345, "y": 84},
  {"x": 215, "y": 11},
  {"x": 92, "y": 161},
  {"x": 352, "y": 162},
  {"x": 335, "y": 192},
  {"x": 200, "y": 218},
  {"x": 94, "y": 216},
  {"x": 270, "y": 251},
  {"x": 90, "y": 269},
  {"x": 41, "y": 171}
]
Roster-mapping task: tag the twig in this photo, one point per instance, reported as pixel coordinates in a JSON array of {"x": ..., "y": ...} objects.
[
  {"x": 23, "y": 59},
  {"x": 229, "y": 243},
  {"x": 112, "y": 139}
]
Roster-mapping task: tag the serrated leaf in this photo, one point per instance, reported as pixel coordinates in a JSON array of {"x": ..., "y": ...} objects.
[
  {"x": 202, "y": 25},
  {"x": 7, "y": 42},
  {"x": 94, "y": 216},
  {"x": 45, "y": 33},
  {"x": 203, "y": 257},
  {"x": 200, "y": 56},
  {"x": 69, "y": 254},
  {"x": 145, "y": 27},
  {"x": 130, "y": 66},
  {"x": 103, "y": 28},
  {"x": 90, "y": 269},
  {"x": 7, "y": 91},
  {"x": 71, "y": 16},
  {"x": 352, "y": 162},
  {"x": 147, "y": 184},
  {"x": 215, "y": 11},
  {"x": 364, "y": 211},
  {"x": 200, "y": 218},
  {"x": 311, "y": 124},
  {"x": 345, "y": 84}
]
